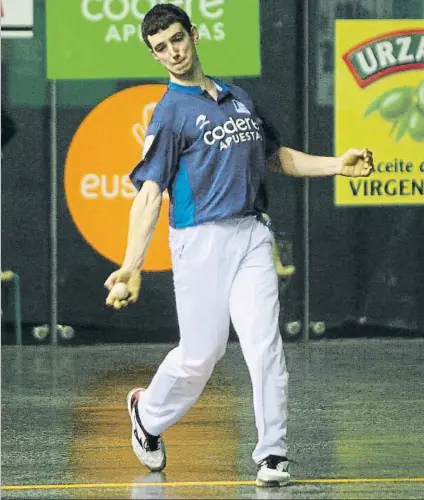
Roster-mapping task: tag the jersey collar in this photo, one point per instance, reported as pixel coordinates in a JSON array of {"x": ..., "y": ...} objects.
[{"x": 194, "y": 89}]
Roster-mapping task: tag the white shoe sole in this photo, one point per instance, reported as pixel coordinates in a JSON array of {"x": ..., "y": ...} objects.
[{"x": 272, "y": 484}]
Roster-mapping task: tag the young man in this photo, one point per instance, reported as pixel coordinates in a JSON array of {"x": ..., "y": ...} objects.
[{"x": 209, "y": 148}]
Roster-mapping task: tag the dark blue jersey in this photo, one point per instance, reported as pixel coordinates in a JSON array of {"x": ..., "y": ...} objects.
[{"x": 210, "y": 155}]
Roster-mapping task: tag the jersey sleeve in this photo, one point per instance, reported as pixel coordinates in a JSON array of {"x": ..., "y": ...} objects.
[{"x": 160, "y": 157}]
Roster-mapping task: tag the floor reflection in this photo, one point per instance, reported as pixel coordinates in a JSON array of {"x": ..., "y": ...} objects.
[
  {"x": 355, "y": 411},
  {"x": 203, "y": 444}
]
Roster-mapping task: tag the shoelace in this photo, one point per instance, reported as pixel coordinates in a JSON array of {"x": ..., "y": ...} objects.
[
  {"x": 151, "y": 443},
  {"x": 275, "y": 462}
]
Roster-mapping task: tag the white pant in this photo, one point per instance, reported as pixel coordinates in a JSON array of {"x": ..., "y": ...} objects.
[{"x": 223, "y": 269}]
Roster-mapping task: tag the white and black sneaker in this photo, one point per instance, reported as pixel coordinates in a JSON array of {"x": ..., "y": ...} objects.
[
  {"x": 273, "y": 471},
  {"x": 150, "y": 450}
]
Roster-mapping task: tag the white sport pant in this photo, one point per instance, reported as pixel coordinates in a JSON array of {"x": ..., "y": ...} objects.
[{"x": 223, "y": 269}]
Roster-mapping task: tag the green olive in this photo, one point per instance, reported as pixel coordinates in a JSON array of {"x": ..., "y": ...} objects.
[
  {"x": 395, "y": 104},
  {"x": 416, "y": 126},
  {"x": 420, "y": 96}
]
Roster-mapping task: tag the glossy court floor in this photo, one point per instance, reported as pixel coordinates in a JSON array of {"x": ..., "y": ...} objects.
[{"x": 356, "y": 424}]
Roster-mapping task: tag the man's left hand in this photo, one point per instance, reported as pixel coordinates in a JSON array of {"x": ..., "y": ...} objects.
[{"x": 356, "y": 163}]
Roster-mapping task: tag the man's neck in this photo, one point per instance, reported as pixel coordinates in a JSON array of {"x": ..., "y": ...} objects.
[{"x": 196, "y": 78}]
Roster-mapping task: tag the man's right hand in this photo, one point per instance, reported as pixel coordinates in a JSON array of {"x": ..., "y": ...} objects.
[{"x": 133, "y": 281}]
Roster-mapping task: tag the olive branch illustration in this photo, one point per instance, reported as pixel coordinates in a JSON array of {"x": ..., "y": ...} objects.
[{"x": 404, "y": 107}]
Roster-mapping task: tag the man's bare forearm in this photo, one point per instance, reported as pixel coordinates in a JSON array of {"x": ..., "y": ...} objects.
[
  {"x": 144, "y": 215},
  {"x": 298, "y": 164}
]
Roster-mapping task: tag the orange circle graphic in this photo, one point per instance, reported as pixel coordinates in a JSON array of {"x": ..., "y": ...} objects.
[{"x": 105, "y": 148}]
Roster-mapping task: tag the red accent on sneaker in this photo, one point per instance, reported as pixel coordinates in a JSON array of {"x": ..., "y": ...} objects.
[{"x": 136, "y": 396}]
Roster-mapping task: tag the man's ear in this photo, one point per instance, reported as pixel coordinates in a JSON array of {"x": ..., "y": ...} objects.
[{"x": 194, "y": 35}]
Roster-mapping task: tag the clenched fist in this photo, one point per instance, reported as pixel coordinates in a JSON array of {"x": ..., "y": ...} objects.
[{"x": 356, "y": 163}]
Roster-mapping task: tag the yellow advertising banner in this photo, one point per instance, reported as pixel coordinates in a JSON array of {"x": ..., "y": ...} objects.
[{"x": 379, "y": 104}]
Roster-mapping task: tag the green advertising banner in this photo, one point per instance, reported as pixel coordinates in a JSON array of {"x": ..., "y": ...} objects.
[{"x": 94, "y": 39}]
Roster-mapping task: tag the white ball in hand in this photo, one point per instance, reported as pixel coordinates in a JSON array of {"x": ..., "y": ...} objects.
[{"x": 120, "y": 291}]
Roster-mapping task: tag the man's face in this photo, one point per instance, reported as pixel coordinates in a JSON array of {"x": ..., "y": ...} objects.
[{"x": 175, "y": 49}]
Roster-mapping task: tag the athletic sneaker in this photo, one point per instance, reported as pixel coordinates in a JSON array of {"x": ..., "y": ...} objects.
[
  {"x": 273, "y": 471},
  {"x": 150, "y": 450}
]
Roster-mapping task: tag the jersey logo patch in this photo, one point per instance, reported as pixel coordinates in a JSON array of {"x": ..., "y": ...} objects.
[
  {"x": 240, "y": 107},
  {"x": 202, "y": 121}
]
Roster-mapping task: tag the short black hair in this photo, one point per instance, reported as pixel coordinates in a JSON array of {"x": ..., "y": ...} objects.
[{"x": 160, "y": 18}]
